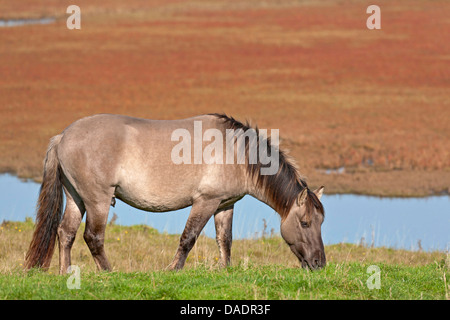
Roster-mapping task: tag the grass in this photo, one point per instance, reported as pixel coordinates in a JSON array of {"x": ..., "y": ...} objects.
[
  {"x": 336, "y": 281},
  {"x": 261, "y": 269}
]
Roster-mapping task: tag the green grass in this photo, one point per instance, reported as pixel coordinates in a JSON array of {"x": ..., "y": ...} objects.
[
  {"x": 262, "y": 268},
  {"x": 336, "y": 281}
]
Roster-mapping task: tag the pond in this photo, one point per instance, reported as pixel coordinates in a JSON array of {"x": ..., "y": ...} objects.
[
  {"x": 409, "y": 223},
  {"x": 22, "y": 22}
]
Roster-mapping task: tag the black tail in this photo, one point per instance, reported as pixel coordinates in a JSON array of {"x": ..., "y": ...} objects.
[{"x": 49, "y": 211}]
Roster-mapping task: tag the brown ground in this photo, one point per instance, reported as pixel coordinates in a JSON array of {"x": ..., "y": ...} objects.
[{"x": 373, "y": 101}]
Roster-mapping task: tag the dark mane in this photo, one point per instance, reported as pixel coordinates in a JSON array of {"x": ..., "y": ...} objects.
[{"x": 282, "y": 188}]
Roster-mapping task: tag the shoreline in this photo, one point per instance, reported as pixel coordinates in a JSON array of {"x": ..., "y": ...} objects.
[{"x": 349, "y": 183}]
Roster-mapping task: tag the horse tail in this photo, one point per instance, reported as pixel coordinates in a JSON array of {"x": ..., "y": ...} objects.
[{"x": 49, "y": 211}]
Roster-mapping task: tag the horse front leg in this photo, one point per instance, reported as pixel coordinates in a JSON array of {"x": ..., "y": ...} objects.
[
  {"x": 223, "y": 220},
  {"x": 201, "y": 212}
]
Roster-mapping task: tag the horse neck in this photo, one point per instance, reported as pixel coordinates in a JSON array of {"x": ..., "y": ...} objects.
[
  {"x": 279, "y": 191},
  {"x": 259, "y": 192}
]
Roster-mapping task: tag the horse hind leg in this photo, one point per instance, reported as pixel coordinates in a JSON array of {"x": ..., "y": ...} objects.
[
  {"x": 67, "y": 229},
  {"x": 223, "y": 220},
  {"x": 94, "y": 234}
]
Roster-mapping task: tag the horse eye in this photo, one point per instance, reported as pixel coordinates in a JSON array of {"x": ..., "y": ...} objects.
[{"x": 304, "y": 224}]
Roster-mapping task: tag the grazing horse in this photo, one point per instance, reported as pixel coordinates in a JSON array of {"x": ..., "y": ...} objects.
[{"x": 102, "y": 157}]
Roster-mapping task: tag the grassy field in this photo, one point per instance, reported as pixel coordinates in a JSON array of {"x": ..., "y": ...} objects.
[
  {"x": 374, "y": 102},
  {"x": 261, "y": 269},
  {"x": 336, "y": 281}
]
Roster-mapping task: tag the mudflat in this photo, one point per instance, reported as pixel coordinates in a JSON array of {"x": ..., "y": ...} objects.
[{"x": 373, "y": 104}]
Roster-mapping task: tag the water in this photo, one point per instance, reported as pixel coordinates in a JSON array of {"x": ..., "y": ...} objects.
[
  {"x": 390, "y": 222},
  {"x": 22, "y": 22}
]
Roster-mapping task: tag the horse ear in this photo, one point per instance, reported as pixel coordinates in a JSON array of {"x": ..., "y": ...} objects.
[
  {"x": 302, "y": 197},
  {"x": 319, "y": 192}
]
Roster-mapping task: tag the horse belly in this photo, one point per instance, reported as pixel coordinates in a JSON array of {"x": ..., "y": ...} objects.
[
  {"x": 152, "y": 199},
  {"x": 153, "y": 195}
]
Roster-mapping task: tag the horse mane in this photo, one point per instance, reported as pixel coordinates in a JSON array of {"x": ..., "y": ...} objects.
[{"x": 281, "y": 189}]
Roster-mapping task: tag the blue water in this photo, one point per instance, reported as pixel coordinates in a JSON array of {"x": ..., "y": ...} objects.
[
  {"x": 22, "y": 22},
  {"x": 390, "y": 222}
]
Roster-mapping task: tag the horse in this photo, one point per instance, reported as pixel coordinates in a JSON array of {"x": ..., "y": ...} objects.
[{"x": 102, "y": 157}]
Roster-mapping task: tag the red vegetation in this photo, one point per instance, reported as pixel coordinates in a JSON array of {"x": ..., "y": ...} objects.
[{"x": 373, "y": 101}]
